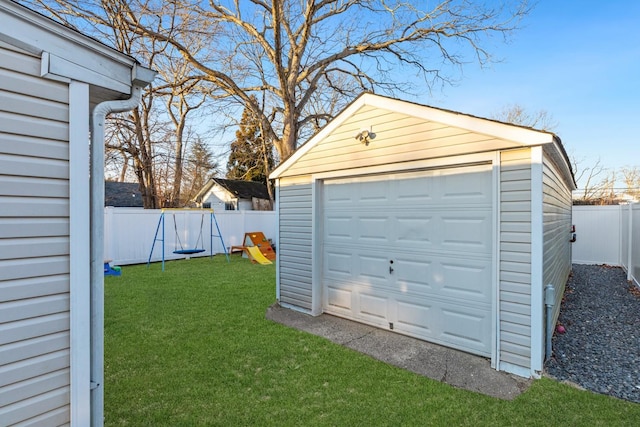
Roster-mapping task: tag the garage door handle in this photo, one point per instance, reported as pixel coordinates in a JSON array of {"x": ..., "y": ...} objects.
[{"x": 390, "y": 269}]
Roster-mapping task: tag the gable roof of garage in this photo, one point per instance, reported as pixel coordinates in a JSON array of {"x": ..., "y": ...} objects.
[{"x": 519, "y": 136}]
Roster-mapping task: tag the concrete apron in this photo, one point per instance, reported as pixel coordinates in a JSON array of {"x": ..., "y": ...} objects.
[{"x": 453, "y": 367}]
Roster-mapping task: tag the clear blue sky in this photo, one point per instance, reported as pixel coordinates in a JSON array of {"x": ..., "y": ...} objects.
[{"x": 578, "y": 60}]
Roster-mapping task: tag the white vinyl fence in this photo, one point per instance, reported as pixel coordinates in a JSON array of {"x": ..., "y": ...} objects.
[
  {"x": 608, "y": 235},
  {"x": 630, "y": 241},
  {"x": 605, "y": 234},
  {"x": 129, "y": 232}
]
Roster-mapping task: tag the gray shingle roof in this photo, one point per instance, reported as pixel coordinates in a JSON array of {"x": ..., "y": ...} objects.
[{"x": 122, "y": 194}]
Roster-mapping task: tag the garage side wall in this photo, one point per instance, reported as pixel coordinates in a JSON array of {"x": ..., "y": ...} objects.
[
  {"x": 295, "y": 241},
  {"x": 34, "y": 244},
  {"x": 515, "y": 260},
  {"x": 556, "y": 207}
]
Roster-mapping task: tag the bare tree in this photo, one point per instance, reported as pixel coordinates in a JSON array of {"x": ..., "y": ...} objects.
[
  {"x": 589, "y": 177},
  {"x": 289, "y": 49},
  {"x": 631, "y": 179},
  {"x": 151, "y": 138},
  {"x": 517, "y": 114}
]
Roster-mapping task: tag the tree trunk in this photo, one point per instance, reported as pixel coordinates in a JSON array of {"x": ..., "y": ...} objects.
[
  {"x": 144, "y": 166},
  {"x": 177, "y": 177},
  {"x": 287, "y": 144}
]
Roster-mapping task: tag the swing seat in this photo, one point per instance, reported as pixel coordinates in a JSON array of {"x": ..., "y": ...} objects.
[{"x": 188, "y": 251}]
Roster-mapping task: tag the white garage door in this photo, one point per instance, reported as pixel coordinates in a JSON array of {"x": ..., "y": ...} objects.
[{"x": 412, "y": 252}]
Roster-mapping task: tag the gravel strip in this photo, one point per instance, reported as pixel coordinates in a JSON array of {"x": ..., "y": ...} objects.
[{"x": 600, "y": 350}]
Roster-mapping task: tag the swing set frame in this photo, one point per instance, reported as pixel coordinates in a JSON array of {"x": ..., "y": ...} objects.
[{"x": 181, "y": 250}]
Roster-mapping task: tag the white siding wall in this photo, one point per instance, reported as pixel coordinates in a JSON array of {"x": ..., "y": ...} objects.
[
  {"x": 515, "y": 258},
  {"x": 295, "y": 242},
  {"x": 34, "y": 244},
  {"x": 557, "y": 206},
  {"x": 399, "y": 138}
]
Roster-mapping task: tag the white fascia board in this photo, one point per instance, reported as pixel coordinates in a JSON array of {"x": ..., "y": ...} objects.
[
  {"x": 119, "y": 79},
  {"x": 69, "y": 49},
  {"x": 330, "y": 127},
  {"x": 518, "y": 134},
  {"x": 556, "y": 151}
]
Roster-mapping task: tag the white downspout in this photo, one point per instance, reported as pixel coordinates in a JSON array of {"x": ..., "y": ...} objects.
[{"x": 97, "y": 244}]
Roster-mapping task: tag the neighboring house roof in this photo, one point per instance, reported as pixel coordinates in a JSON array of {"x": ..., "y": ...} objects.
[
  {"x": 240, "y": 189},
  {"x": 519, "y": 135},
  {"x": 122, "y": 194}
]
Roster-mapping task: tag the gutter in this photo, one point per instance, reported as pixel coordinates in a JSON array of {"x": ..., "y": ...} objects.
[{"x": 141, "y": 77}]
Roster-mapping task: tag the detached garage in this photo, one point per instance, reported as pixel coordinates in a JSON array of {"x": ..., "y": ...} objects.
[{"x": 431, "y": 223}]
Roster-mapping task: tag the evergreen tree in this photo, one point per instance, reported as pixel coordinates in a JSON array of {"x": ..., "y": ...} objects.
[
  {"x": 199, "y": 167},
  {"x": 251, "y": 157}
]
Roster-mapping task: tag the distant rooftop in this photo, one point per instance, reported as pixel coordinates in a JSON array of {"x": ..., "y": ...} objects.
[{"x": 122, "y": 195}]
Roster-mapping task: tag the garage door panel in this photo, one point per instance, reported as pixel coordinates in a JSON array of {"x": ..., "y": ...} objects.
[
  {"x": 414, "y": 276},
  {"x": 339, "y": 195},
  {"x": 373, "y": 230},
  {"x": 436, "y": 226},
  {"x": 471, "y": 186},
  {"x": 414, "y": 230},
  {"x": 468, "y": 328},
  {"x": 339, "y": 227},
  {"x": 446, "y": 277},
  {"x": 372, "y": 305},
  {"x": 467, "y": 279},
  {"x": 414, "y": 191},
  {"x": 469, "y": 231},
  {"x": 339, "y": 298},
  {"x": 339, "y": 264},
  {"x": 415, "y": 319},
  {"x": 373, "y": 267}
]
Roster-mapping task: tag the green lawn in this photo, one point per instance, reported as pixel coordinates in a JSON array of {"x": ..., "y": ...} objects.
[{"x": 191, "y": 347}]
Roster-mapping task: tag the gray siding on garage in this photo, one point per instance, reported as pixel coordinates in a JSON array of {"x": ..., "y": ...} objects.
[
  {"x": 515, "y": 257},
  {"x": 295, "y": 242},
  {"x": 34, "y": 244},
  {"x": 556, "y": 207}
]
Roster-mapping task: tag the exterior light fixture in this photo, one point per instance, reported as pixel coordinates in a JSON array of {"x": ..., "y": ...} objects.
[{"x": 365, "y": 136}]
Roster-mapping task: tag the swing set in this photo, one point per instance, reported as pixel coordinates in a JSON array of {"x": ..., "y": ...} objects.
[{"x": 179, "y": 247}]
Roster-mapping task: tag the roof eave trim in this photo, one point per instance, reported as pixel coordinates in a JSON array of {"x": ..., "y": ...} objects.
[
  {"x": 518, "y": 134},
  {"x": 35, "y": 44},
  {"x": 323, "y": 133}
]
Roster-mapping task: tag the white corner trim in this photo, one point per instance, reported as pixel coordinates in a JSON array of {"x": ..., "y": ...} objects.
[
  {"x": 277, "y": 237},
  {"x": 45, "y": 66},
  {"x": 537, "y": 254},
  {"x": 495, "y": 275},
  {"x": 80, "y": 262},
  {"x": 518, "y": 370},
  {"x": 295, "y": 308},
  {"x": 316, "y": 248}
]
